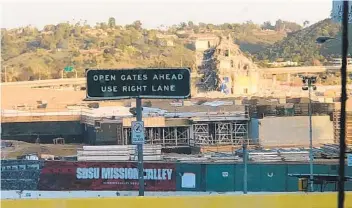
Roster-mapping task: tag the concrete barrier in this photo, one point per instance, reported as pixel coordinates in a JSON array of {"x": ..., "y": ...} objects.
[{"x": 300, "y": 200}]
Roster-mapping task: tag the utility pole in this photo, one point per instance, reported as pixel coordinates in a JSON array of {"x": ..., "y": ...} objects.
[{"x": 341, "y": 181}]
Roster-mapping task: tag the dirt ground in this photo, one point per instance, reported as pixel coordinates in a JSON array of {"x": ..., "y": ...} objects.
[
  {"x": 56, "y": 99},
  {"x": 19, "y": 148}
]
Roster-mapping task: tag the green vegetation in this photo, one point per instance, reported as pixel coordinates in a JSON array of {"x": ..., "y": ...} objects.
[
  {"x": 29, "y": 54},
  {"x": 301, "y": 47},
  {"x": 253, "y": 38}
]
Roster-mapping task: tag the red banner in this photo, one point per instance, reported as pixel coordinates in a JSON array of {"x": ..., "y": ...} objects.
[{"x": 117, "y": 176}]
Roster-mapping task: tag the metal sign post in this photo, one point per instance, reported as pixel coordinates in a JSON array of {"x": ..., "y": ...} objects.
[
  {"x": 138, "y": 139},
  {"x": 140, "y": 148},
  {"x": 245, "y": 161}
]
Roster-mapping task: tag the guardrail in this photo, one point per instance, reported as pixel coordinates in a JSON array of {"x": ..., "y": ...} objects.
[
  {"x": 302, "y": 69},
  {"x": 35, "y": 116},
  {"x": 48, "y": 82}
]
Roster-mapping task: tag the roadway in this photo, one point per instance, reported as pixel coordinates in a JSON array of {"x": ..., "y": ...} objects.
[
  {"x": 303, "y": 69},
  {"x": 48, "y": 82},
  {"x": 82, "y": 81}
]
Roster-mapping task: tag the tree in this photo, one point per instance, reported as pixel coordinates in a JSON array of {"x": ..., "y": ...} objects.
[
  {"x": 190, "y": 24},
  {"x": 182, "y": 25},
  {"x": 5, "y": 39},
  {"x": 137, "y": 25},
  {"x": 279, "y": 25},
  {"x": 210, "y": 26},
  {"x": 226, "y": 26},
  {"x": 77, "y": 31},
  {"x": 267, "y": 26},
  {"x": 111, "y": 22},
  {"x": 103, "y": 26},
  {"x": 196, "y": 29},
  {"x": 305, "y": 23},
  {"x": 202, "y": 25}
]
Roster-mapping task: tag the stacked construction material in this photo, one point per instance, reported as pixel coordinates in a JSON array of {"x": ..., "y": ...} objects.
[
  {"x": 330, "y": 151},
  {"x": 208, "y": 157},
  {"x": 118, "y": 153},
  {"x": 348, "y": 129},
  {"x": 294, "y": 155},
  {"x": 269, "y": 156},
  {"x": 150, "y": 152},
  {"x": 276, "y": 155}
]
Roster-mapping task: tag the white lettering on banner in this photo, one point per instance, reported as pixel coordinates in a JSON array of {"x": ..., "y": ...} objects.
[
  {"x": 167, "y": 77},
  {"x": 109, "y": 88},
  {"x": 87, "y": 173},
  {"x": 104, "y": 77},
  {"x": 165, "y": 88},
  {"x": 134, "y": 88},
  {"x": 135, "y": 77},
  {"x": 123, "y": 173},
  {"x": 119, "y": 173}
]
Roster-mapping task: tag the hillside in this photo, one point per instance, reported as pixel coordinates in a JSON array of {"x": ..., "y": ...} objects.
[
  {"x": 301, "y": 47},
  {"x": 29, "y": 54},
  {"x": 32, "y": 54}
]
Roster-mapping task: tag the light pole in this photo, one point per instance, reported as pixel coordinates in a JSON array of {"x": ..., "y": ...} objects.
[{"x": 308, "y": 84}]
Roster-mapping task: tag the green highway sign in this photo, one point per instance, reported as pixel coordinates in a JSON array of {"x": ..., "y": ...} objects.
[
  {"x": 113, "y": 84},
  {"x": 68, "y": 68}
]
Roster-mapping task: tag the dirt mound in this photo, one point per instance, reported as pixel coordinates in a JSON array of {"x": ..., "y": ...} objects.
[
  {"x": 13, "y": 149},
  {"x": 56, "y": 98}
]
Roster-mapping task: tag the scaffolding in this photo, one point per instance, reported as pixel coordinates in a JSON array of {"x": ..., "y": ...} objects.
[
  {"x": 200, "y": 135},
  {"x": 220, "y": 133},
  {"x": 164, "y": 136},
  {"x": 205, "y": 130}
]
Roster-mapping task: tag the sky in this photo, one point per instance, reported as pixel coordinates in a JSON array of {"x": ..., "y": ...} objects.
[{"x": 153, "y": 13}]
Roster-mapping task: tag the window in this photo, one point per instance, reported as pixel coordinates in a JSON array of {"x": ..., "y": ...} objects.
[
  {"x": 227, "y": 53},
  {"x": 231, "y": 63}
]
